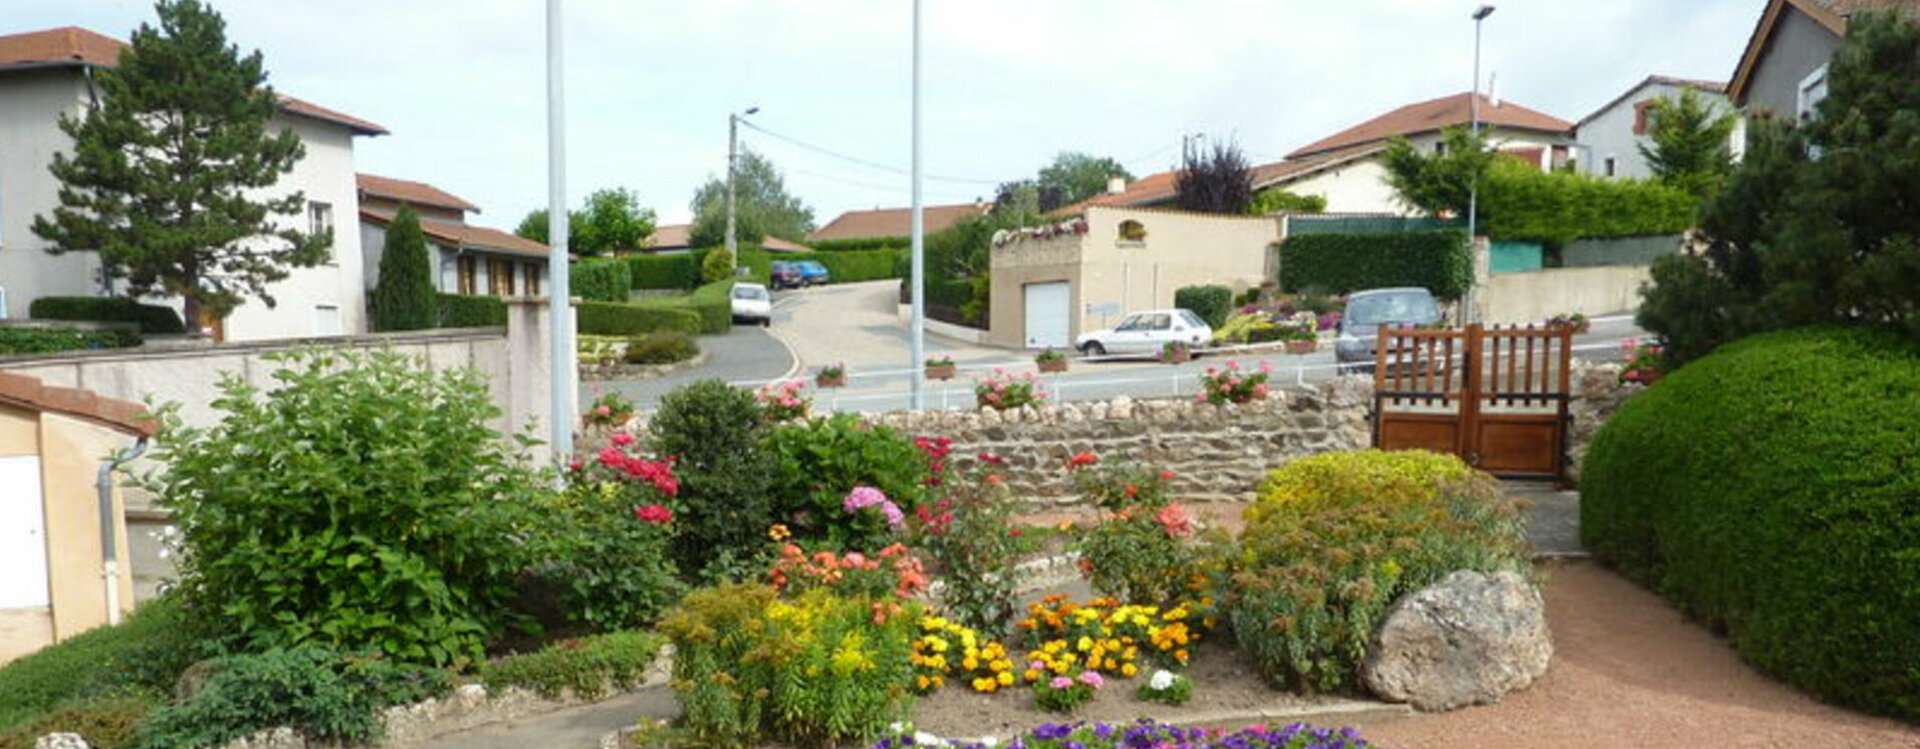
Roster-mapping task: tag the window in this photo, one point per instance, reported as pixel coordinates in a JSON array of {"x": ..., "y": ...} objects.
[
  {"x": 533, "y": 279},
  {"x": 1157, "y": 322},
  {"x": 1812, "y": 90},
  {"x": 1132, "y": 231},
  {"x": 326, "y": 320},
  {"x": 469, "y": 273},
  {"x": 320, "y": 221},
  {"x": 1640, "y": 116},
  {"x": 500, "y": 277},
  {"x": 1440, "y": 148},
  {"x": 1611, "y": 166}
]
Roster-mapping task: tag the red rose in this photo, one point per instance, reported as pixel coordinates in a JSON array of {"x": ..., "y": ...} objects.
[
  {"x": 623, "y": 439},
  {"x": 654, "y": 513}
]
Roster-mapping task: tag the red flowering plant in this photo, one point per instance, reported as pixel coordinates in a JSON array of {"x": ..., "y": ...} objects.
[
  {"x": 1644, "y": 362},
  {"x": 784, "y": 400},
  {"x": 605, "y": 537},
  {"x": 1139, "y": 550},
  {"x": 966, "y": 531}
]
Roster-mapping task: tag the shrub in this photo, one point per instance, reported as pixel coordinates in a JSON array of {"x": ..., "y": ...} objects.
[
  {"x": 600, "y": 281},
  {"x": 316, "y": 691},
  {"x": 143, "y": 654},
  {"x": 625, "y": 319},
  {"x": 363, "y": 504},
  {"x": 50, "y": 340},
  {"x": 852, "y": 266},
  {"x": 862, "y": 244},
  {"x": 818, "y": 671},
  {"x": 152, "y": 318},
  {"x": 1439, "y": 261},
  {"x": 604, "y": 547},
  {"x": 587, "y": 666},
  {"x": 1345, "y": 479},
  {"x": 662, "y": 348},
  {"x": 106, "y": 722},
  {"x": 1211, "y": 303},
  {"x": 814, "y": 463},
  {"x": 968, "y": 533},
  {"x": 713, "y": 431},
  {"x": 1768, "y": 489},
  {"x": 716, "y": 265},
  {"x": 663, "y": 271},
  {"x": 1320, "y": 564},
  {"x": 471, "y": 311},
  {"x": 1520, "y": 203},
  {"x": 404, "y": 297},
  {"x": 1138, "y": 551}
]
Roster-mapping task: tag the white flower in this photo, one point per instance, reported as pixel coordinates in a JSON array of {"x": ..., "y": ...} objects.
[
  {"x": 1162, "y": 680},
  {"x": 989, "y": 741},
  {"x": 896, "y": 727},
  {"x": 926, "y": 739}
]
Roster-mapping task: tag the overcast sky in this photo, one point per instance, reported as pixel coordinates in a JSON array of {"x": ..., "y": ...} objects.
[{"x": 1008, "y": 83}]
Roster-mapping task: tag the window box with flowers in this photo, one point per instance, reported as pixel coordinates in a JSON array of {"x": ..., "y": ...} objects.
[
  {"x": 831, "y": 376},
  {"x": 1051, "y": 361},
  {"x": 609, "y": 410},
  {"x": 1176, "y": 352},
  {"x": 1574, "y": 320},
  {"x": 941, "y": 368}
]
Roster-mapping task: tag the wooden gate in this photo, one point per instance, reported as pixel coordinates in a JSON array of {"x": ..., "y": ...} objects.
[{"x": 1497, "y": 397}]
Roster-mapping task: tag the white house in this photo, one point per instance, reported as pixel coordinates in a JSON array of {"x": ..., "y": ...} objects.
[
  {"x": 1609, "y": 140},
  {"x": 467, "y": 259},
  {"x": 45, "y": 74}
]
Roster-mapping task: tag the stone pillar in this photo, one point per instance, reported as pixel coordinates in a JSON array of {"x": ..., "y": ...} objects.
[
  {"x": 529, "y": 387},
  {"x": 1476, "y": 302}
]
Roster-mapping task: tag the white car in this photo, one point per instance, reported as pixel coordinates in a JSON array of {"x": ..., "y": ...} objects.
[
  {"x": 1146, "y": 332},
  {"x": 752, "y": 304}
]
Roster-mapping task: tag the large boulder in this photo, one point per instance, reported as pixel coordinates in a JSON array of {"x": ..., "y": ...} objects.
[{"x": 1467, "y": 640}]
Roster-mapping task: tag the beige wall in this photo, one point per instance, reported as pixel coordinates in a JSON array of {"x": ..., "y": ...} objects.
[
  {"x": 70, "y": 451},
  {"x": 1356, "y": 187},
  {"x": 1181, "y": 249},
  {"x": 1533, "y": 296}
]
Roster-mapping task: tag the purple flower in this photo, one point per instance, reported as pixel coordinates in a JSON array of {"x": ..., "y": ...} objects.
[
  {"x": 863, "y": 497},
  {"x": 1053, "y": 730},
  {"x": 1061, "y": 682}
]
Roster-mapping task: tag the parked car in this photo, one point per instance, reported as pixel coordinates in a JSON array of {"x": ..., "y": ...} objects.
[
  {"x": 752, "y": 304},
  {"x": 1146, "y": 332},
  {"x": 1358, "y": 333},
  {"x": 785, "y": 275},
  {"x": 812, "y": 272}
]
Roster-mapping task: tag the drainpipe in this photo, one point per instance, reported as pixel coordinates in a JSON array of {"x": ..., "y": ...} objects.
[{"x": 109, "y": 543}]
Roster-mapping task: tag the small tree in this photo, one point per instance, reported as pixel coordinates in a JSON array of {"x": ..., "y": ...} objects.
[
  {"x": 1690, "y": 143},
  {"x": 611, "y": 221},
  {"x": 1215, "y": 181},
  {"x": 403, "y": 299},
  {"x": 717, "y": 265},
  {"x": 171, "y": 178},
  {"x": 1438, "y": 184},
  {"x": 1073, "y": 177},
  {"x": 762, "y": 206}
]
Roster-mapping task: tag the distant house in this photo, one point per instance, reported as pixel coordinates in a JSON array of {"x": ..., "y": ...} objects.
[
  {"x": 1609, "y": 140},
  {"x": 677, "y": 239},
  {"x": 467, "y": 259},
  {"x": 881, "y": 223},
  {"x": 45, "y": 74},
  {"x": 1345, "y": 168},
  {"x": 1783, "y": 71}
]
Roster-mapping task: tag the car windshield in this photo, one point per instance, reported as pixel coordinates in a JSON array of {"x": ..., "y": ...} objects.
[
  {"x": 749, "y": 292},
  {"x": 1415, "y": 307},
  {"x": 813, "y": 265}
]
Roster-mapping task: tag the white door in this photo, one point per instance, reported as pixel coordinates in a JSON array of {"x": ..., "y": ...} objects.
[
  {"x": 1047, "y": 316},
  {"x": 23, "y": 535}
]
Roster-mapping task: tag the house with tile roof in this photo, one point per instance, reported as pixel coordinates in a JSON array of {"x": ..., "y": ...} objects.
[
  {"x": 677, "y": 239},
  {"x": 466, "y": 259},
  {"x": 1783, "y": 70},
  {"x": 1345, "y": 168},
  {"x": 45, "y": 74},
  {"x": 882, "y": 223},
  {"x": 1608, "y": 141}
]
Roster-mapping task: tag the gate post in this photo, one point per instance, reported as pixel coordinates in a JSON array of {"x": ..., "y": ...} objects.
[{"x": 1468, "y": 445}]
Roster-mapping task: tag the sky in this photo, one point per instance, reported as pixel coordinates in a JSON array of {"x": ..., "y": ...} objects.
[{"x": 1007, "y": 84}]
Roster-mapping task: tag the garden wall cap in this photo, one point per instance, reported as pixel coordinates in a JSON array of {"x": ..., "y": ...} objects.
[{"x": 30, "y": 393}]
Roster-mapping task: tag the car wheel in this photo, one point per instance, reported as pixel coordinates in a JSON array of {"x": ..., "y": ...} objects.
[
  {"x": 1093, "y": 348},
  {"x": 766, "y": 322}
]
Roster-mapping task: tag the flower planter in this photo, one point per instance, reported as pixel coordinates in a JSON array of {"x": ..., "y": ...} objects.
[
  {"x": 942, "y": 371},
  {"x": 1176, "y": 357},
  {"x": 1303, "y": 347},
  {"x": 1052, "y": 366},
  {"x": 830, "y": 381}
]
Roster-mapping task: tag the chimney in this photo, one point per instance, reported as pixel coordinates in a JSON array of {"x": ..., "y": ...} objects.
[{"x": 1116, "y": 185}]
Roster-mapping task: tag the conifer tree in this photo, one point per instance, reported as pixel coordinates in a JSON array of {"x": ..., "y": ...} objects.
[
  {"x": 170, "y": 178},
  {"x": 404, "y": 297}
]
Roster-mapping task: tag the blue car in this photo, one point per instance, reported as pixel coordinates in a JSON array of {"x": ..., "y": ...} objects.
[{"x": 812, "y": 273}]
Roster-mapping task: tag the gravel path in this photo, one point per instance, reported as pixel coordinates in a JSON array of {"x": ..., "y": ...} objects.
[{"x": 1629, "y": 671}]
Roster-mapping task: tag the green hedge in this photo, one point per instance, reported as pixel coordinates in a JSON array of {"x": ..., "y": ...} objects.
[
  {"x": 1211, "y": 303},
  {"x": 152, "y": 318},
  {"x": 600, "y": 281},
  {"x": 618, "y": 319},
  {"x": 1439, "y": 261},
  {"x": 50, "y": 340},
  {"x": 471, "y": 311},
  {"x": 145, "y": 653},
  {"x": 587, "y": 666},
  {"x": 860, "y": 265},
  {"x": 1523, "y": 204},
  {"x": 862, "y": 244},
  {"x": 663, "y": 271},
  {"x": 1771, "y": 490}
]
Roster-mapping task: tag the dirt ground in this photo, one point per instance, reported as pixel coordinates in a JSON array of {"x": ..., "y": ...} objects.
[{"x": 1629, "y": 671}]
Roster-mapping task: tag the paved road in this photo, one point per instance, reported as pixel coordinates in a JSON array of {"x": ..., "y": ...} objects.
[{"x": 746, "y": 354}]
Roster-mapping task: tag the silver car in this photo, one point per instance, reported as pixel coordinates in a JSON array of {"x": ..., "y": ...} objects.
[{"x": 1359, "y": 329}]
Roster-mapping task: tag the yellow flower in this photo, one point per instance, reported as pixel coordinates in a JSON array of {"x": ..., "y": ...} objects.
[
  {"x": 1129, "y": 670},
  {"x": 1085, "y": 643},
  {"x": 1005, "y": 678},
  {"x": 921, "y": 682},
  {"x": 969, "y": 664},
  {"x": 1031, "y": 674},
  {"x": 779, "y": 532}
]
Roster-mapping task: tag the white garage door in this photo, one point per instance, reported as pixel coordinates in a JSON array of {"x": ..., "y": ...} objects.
[
  {"x": 1047, "y": 315},
  {"x": 23, "y": 537}
]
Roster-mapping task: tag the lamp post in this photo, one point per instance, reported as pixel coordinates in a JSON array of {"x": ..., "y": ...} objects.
[
  {"x": 917, "y": 331},
  {"x": 733, "y": 154},
  {"x": 1473, "y": 185},
  {"x": 559, "y": 305}
]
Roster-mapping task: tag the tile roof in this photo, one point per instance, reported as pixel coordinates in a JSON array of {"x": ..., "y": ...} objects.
[
  {"x": 72, "y": 45},
  {"x": 1159, "y": 188},
  {"x": 680, "y": 237},
  {"x": 468, "y": 235},
  {"x": 895, "y": 222},
  {"x": 1431, "y": 116},
  {"x": 409, "y": 191},
  {"x": 28, "y": 392}
]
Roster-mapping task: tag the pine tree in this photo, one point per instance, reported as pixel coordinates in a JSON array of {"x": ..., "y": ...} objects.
[
  {"x": 169, "y": 176},
  {"x": 1691, "y": 144},
  {"x": 404, "y": 298}
]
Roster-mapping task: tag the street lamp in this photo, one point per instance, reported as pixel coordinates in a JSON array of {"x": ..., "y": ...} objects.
[
  {"x": 1473, "y": 186},
  {"x": 562, "y": 370},
  {"x": 733, "y": 151},
  {"x": 917, "y": 328}
]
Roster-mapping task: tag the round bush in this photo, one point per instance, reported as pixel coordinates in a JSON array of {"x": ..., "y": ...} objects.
[
  {"x": 661, "y": 348},
  {"x": 1772, "y": 489}
]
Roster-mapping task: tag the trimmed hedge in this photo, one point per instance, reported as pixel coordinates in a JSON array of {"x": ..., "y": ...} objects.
[
  {"x": 471, "y": 311},
  {"x": 617, "y": 319},
  {"x": 50, "y": 340},
  {"x": 1211, "y": 303},
  {"x": 1523, "y": 204},
  {"x": 852, "y": 266},
  {"x": 143, "y": 654},
  {"x": 1771, "y": 490},
  {"x": 587, "y": 666},
  {"x": 152, "y": 318},
  {"x": 663, "y": 271},
  {"x": 862, "y": 244},
  {"x": 600, "y": 281},
  {"x": 1439, "y": 261}
]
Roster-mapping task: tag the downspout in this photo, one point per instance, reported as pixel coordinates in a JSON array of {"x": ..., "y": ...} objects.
[{"x": 109, "y": 541}]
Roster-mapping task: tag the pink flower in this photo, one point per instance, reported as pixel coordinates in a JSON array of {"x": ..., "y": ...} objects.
[
  {"x": 1092, "y": 679},
  {"x": 612, "y": 457},
  {"x": 603, "y": 411},
  {"x": 655, "y": 513},
  {"x": 623, "y": 439},
  {"x": 1061, "y": 682},
  {"x": 856, "y": 559}
]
